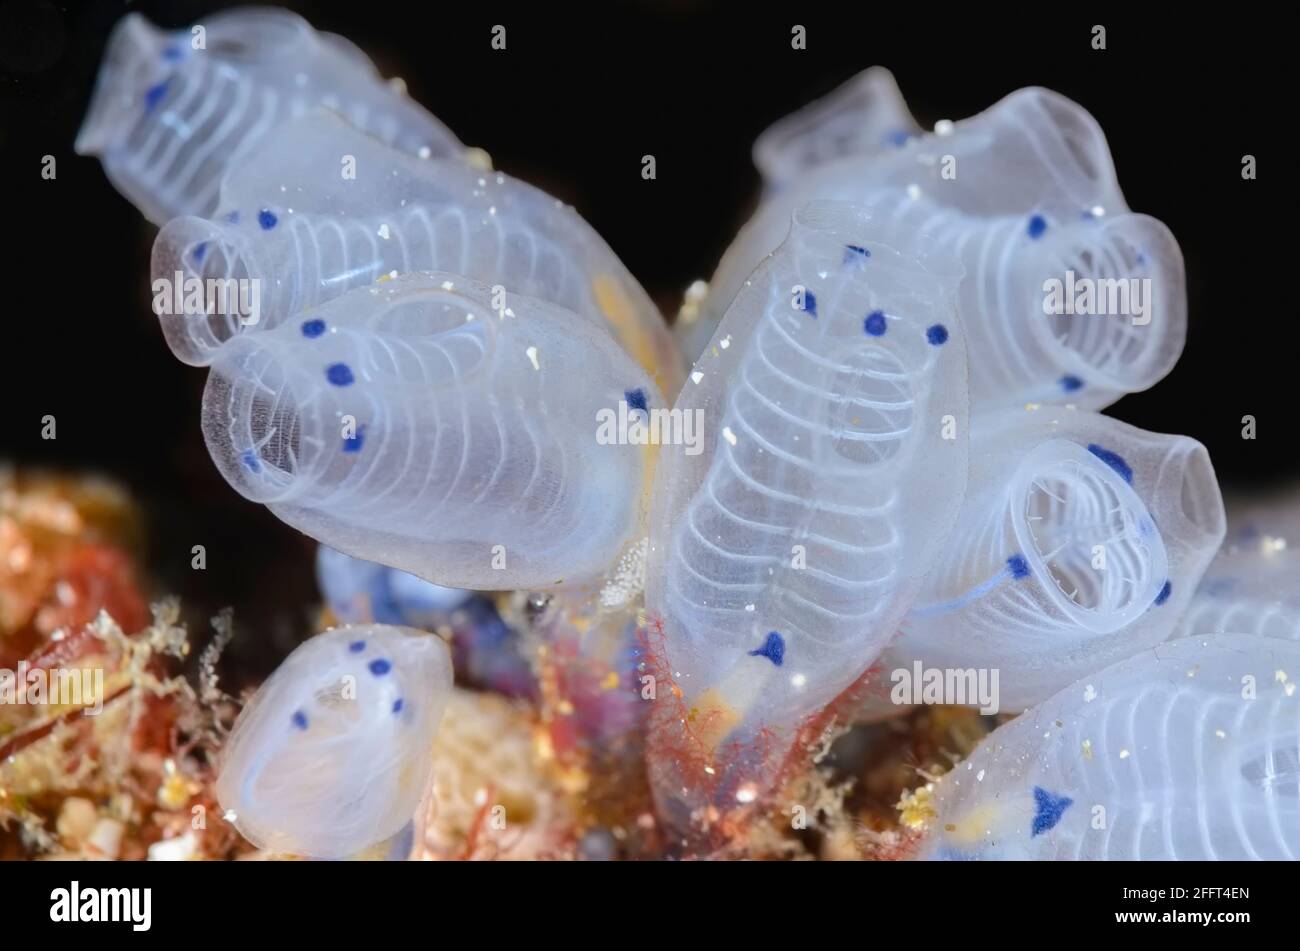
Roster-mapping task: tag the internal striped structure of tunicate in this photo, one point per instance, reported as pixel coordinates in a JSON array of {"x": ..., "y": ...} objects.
[
  {"x": 333, "y": 753},
  {"x": 169, "y": 117},
  {"x": 1188, "y": 751},
  {"x": 1026, "y": 344},
  {"x": 834, "y": 406},
  {"x": 323, "y": 208},
  {"x": 412, "y": 425},
  {"x": 1123, "y": 272},
  {"x": 1080, "y": 541},
  {"x": 1251, "y": 587},
  {"x": 1034, "y": 154},
  {"x": 862, "y": 117}
]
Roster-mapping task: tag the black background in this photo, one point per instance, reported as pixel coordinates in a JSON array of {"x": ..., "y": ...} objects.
[{"x": 578, "y": 96}]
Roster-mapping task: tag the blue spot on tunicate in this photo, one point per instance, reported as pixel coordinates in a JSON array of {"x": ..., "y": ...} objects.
[
  {"x": 313, "y": 328},
  {"x": 1018, "y": 566},
  {"x": 809, "y": 303},
  {"x": 267, "y": 219},
  {"x": 855, "y": 255},
  {"x": 1114, "y": 460},
  {"x": 875, "y": 323},
  {"x": 1163, "y": 596},
  {"x": 898, "y": 138},
  {"x": 397, "y": 705},
  {"x": 773, "y": 649},
  {"x": 1048, "y": 810},
  {"x": 636, "y": 399},
  {"x": 1070, "y": 383},
  {"x": 1037, "y": 225},
  {"x": 357, "y": 646},
  {"x": 200, "y": 252},
  {"x": 340, "y": 374},
  {"x": 354, "y": 443},
  {"x": 249, "y": 458},
  {"x": 173, "y": 53},
  {"x": 379, "y": 666},
  {"x": 300, "y": 719},
  {"x": 937, "y": 334},
  {"x": 233, "y": 217},
  {"x": 154, "y": 95}
]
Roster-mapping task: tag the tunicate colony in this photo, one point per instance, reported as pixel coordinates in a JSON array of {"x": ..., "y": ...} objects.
[{"x": 903, "y": 459}]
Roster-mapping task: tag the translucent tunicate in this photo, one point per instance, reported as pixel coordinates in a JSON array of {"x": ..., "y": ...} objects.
[
  {"x": 172, "y": 112},
  {"x": 1080, "y": 541},
  {"x": 322, "y": 208},
  {"x": 412, "y": 425},
  {"x": 1254, "y": 589},
  {"x": 1190, "y": 750},
  {"x": 833, "y": 398},
  {"x": 1033, "y": 157},
  {"x": 862, "y": 117},
  {"x": 333, "y": 753},
  {"x": 1082, "y": 310}
]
